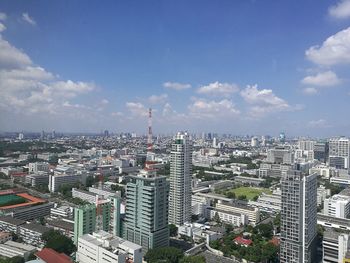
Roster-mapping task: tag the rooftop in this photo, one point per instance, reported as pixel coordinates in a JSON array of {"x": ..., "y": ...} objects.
[
  {"x": 11, "y": 220},
  {"x": 36, "y": 227},
  {"x": 51, "y": 256}
]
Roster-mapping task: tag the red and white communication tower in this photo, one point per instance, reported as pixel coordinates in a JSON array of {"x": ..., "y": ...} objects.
[
  {"x": 99, "y": 202},
  {"x": 149, "y": 165}
]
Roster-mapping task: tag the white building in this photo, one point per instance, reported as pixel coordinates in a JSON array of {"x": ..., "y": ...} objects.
[
  {"x": 102, "y": 247},
  {"x": 235, "y": 219},
  {"x": 338, "y": 206},
  {"x": 61, "y": 212},
  {"x": 58, "y": 180},
  {"x": 199, "y": 204},
  {"x": 38, "y": 167},
  {"x": 252, "y": 213},
  {"x": 322, "y": 194},
  {"x": 254, "y": 142},
  {"x": 280, "y": 155},
  {"x": 339, "y": 151},
  {"x": 12, "y": 249},
  {"x": 335, "y": 246},
  {"x": 180, "y": 180}
]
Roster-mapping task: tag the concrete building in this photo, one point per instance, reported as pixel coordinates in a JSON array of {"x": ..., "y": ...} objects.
[
  {"x": 298, "y": 217},
  {"x": 39, "y": 178},
  {"x": 5, "y": 236},
  {"x": 58, "y": 180},
  {"x": 146, "y": 215},
  {"x": 32, "y": 212},
  {"x": 102, "y": 247},
  {"x": 38, "y": 167},
  {"x": 249, "y": 180},
  {"x": 61, "y": 212},
  {"x": 337, "y": 205},
  {"x": 252, "y": 213},
  {"x": 235, "y": 219},
  {"x": 322, "y": 194},
  {"x": 339, "y": 152},
  {"x": 32, "y": 233},
  {"x": 199, "y": 205},
  {"x": 280, "y": 155},
  {"x": 12, "y": 249},
  {"x": 10, "y": 224},
  {"x": 321, "y": 151},
  {"x": 306, "y": 145},
  {"x": 335, "y": 245},
  {"x": 85, "y": 219},
  {"x": 180, "y": 180}
]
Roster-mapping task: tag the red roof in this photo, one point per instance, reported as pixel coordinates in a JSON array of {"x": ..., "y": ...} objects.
[
  {"x": 275, "y": 241},
  {"x": 241, "y": 241},
  {"x": 51, "y": 256}
]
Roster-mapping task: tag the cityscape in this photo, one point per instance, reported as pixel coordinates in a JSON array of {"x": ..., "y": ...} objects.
[{"x": 174, "y": 132}]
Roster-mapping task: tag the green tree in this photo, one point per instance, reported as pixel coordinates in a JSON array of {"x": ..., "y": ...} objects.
[
  {"x": 164, "y": 254},
  {"x": 231, "y": 194},
  {"x": 242, "y": 197},
  {"x": 173, "y": 230},
  {"x": 58, "y": 242}
]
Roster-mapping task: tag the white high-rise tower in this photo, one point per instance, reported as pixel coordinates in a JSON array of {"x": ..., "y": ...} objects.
[{"x": 180, "y": 180}]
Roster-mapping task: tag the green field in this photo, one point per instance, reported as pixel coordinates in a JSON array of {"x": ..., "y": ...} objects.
[
  {"x": 249, "y": 192},
  {"x": 11, "y": 200}
]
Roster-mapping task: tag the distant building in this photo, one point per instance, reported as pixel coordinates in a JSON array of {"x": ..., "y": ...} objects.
[
  {"x": 298, "y": 217},
  {"x": 280, "y": 155},
  {"x": 339, "y": 153},
  {"x": 321, "y": 151},
  {"x": 38, "y": 167}
]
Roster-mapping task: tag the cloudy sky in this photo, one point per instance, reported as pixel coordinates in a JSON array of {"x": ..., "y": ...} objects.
[{"x": 240, "y": 67}]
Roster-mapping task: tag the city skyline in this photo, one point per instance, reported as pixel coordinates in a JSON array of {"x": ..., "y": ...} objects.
[{"x": 244, "y": 67}]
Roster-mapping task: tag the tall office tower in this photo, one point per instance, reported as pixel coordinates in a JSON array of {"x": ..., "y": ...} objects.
[
  {"x": 306, "y": 145},
  {"x": 180, "y": 180},
  {"x": 321, "y": 151},
  {"x": 85, "y": 219},
  {"x": 115, "y": 224},
  {"x": 254, "y": 142},
  {"x": 282, "y": 137},
  {"x": 215, "y": 144},
  {"x": 146, "y": 214},
  {"x": 339, "y": 153},
  {"x": 298, "y": 217}
]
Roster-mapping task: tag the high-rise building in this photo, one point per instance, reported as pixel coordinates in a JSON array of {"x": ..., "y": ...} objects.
[
  {"x": 298, "y": 217},
  {"x": 85, "y": 219},
  {"x": 180, "y": 180},
  {"x": 146, "y": 214},
  {"x": 306, "y": 145},
  {"x": 321, "y": 151},
  {"x": 339, "y": 153}
]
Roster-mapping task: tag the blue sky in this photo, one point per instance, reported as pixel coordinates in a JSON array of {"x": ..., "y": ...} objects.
[{"x": 241, "y": 67}]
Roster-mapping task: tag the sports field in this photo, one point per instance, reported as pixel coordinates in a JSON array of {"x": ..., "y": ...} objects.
[
  {"x": 249, "y": 192},
  {"x": 11, "y": 199}
]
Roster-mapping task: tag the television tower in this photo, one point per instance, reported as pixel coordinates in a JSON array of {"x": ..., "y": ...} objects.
[{"x": 149, "y": 165}]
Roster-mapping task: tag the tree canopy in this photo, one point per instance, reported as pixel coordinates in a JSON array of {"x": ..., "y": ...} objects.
[{"x": 58, "y": 242}]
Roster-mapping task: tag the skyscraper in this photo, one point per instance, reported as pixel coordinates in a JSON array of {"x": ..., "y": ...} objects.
[
  {"x": 298, "y": 217},
  {"x": 180, "y": 180},
  {"x": 146, "y": 222}
]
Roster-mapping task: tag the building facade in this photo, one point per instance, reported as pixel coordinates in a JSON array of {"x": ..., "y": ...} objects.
[
  {"x": 146, "y": 221},
  {"x": 298, "y": 217},
  {"x": 180, "y": 180}
]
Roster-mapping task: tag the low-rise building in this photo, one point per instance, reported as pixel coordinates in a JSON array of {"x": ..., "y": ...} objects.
[
  {"x": 335, "y": 245},
  {"x": 64, "y": 226},
  {"x": 10, "y": 224},
  {"x": 252, "y": 213},
  {"x": 32, "y": 233},
  {"x": 32, "y": 212},
  {"x": 236, "y": 219},
  {"x": 38, "y": 167},
  {"x": 12, "y": 249},
  {"x": 61, "y": 212},
  {"x": 58, "y": 180},
  {"x": 48, "y": 255},
  {"x": 102, "y": 247},
  {"x": 39, "y": 178},
  {"x": 249, "y": 180},
  {"x": 337, "y": 206},
  {"x": 199, "y": 232}
]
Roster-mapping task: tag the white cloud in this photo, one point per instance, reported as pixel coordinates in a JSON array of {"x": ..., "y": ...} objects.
[
  {"x": 321, "y": 123},
  {"x": 104, "y": 101},
  {"x": 2, "y": 27},
  {"x": 11, "y": 57},
  {"x": 327, "y": 78},
  {"x": 341, "y": 10},
  {"x": 218, "y": 89},
  {"x": 176, "y": 85},
  {"x": 263, "y": 101},
  {"x": 310, "y": 91},
  {"x": 202, "y": 108},
  {"x": 28, "y": 19},
  {"x": 137, "y": 109},
  {"x": 335, "y": 50},
  {"x": 154, "y": 99},
  {"x": 3, "y": 16}
]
